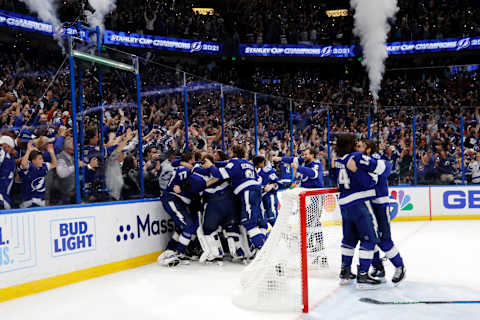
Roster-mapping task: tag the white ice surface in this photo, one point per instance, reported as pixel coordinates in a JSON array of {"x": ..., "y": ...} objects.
[{"x": 442, "y": 259}]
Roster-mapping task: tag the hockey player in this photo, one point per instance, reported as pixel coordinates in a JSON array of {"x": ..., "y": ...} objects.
[
  {"x": 175, "y": 203},
  {"x": 308, "y": 168},
  {"x": 357, "y": 187},
  {"x": 220, "y": 212},
  {"x": 7, "y": 170},
  {"x": 286, "y": 175},
  {"x": 246, "y": 186},
  {"x": 181, "y": 203},
  {"x": 381, "y": 208},
  {"x": 33, "y": 172},
  {"x": 270, "y": 185}
]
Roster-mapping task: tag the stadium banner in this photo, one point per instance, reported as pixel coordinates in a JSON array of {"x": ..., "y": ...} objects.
[
  {"x": 455, "y": 202},
  {"x": 395, "y": 48},
  {"x": 163, "y": 43},
  {"x": 409, "y": 203},
  {"x": 28, "y": 23},
  {"x": 49, "y": 244},
  {"x": 279, "y": 50},
  {"x": 423, "y": 46}
]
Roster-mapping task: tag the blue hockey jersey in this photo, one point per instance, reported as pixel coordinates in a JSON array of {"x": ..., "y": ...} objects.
[
  {"x": 445, "y": 166},
  {"x": 381, "y": 189},
  {"x": 194, "y": 186},
  {"x": 179, "y": 178},
  {"x": 286, "y": 174},
  {"x": 360, "y": 185},
  {"x": 311, "y": 174},
  {"x": 216, "y": 188},
  {"x": 33, "y": 185},
  {"x": 241, "y": 172},
  {"x": 268, "y": 176},
  {"x": 7, "y": 173}
]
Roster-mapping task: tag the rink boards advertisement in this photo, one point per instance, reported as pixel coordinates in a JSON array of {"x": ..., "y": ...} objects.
[
  {"x": 422, "y": 203},
  {"x": 44, "y": 244},
  {"x": 455, "y": 202},
  {"x": 409, "y": 203}
]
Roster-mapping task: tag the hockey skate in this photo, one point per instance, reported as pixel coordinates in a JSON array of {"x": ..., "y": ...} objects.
[
  {"x": 378, "y": 272},
  {"x": 168, "y": 258},
  {"x": 366, "y": 282},
  {"x": 399, "y": 275},
  {"x": 184, "y": 259},
  {"x": 346, "y": 276}
]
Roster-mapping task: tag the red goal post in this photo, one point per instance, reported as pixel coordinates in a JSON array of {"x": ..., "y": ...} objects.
[
  {"x": 303, "y": 237},
  {"x": 301, "y": 250}
]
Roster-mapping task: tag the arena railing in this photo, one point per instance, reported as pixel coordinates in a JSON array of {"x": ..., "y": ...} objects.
[{"x": 179, "y": 111}]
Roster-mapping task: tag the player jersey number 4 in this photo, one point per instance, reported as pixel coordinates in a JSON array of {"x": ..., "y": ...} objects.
[{"x": 343, "y": 178}]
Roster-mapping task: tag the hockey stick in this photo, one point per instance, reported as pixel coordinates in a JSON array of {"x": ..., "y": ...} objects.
[{"x": 374, "y": 301}]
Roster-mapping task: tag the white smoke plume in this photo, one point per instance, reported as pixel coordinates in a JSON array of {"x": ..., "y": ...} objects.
[
  {"x": 47, "y": 12},
  {"x": 372, "y": 27},
  {"x": 102, "y": 8}
]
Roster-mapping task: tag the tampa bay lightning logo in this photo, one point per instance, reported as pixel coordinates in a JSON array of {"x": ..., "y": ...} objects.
[
  {"x": 463, "y": 43},
  {"x": 196, "y": 46},
  {"x": 326, "y": 51},
  {"x": 38, "y": 184}
]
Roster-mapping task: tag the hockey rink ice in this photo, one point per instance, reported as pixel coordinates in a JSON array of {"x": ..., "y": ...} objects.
[{"x": 441, "y": 257}]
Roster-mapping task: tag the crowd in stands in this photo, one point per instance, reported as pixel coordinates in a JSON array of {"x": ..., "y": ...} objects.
[
  {"x": 36, "y": 124},
  {"x": 281, "y": 21}
]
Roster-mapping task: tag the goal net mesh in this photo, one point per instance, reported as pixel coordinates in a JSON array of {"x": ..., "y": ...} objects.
[{"x": 275, "y": 280}]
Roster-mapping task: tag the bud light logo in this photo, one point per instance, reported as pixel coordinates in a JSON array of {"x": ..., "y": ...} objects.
[
  {"x": 463, "y": 43},
  {"x": 196, "y": 46},
  {"x": 74, "y": 235},
  {"x": 327, "y": 51},
  {"x": 18, "y": 249},
  {"x": 144, "y": 227}
]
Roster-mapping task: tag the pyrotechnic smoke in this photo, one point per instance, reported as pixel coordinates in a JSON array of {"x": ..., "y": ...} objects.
[
  {"x": 102, "y": 8},
  {"x": 47, "y": 12},
  {"x": 372, "y": 27}
]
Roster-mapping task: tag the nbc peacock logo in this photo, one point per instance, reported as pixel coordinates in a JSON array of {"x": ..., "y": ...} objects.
[{"x": 402, "y": 201}]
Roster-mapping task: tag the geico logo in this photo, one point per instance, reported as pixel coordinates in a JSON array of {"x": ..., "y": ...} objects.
[
  {"x": 153, "y": 227},
  {"x": 4, "y": 258},
  {"x": 459, "y": 199}
]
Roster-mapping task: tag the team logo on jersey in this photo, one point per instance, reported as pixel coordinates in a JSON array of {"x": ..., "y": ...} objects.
[
  {"x": 402, "y": 202},
  {"x": 144, "y": 227}
]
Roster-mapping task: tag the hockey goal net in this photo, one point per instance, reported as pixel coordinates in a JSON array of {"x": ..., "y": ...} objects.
[{"x": 303, "y": 247}]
